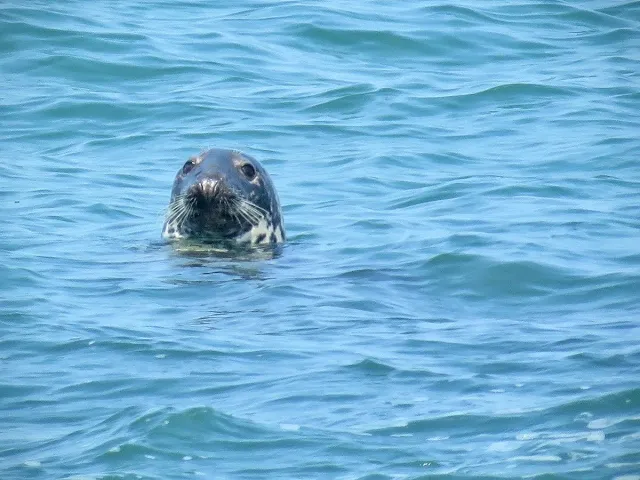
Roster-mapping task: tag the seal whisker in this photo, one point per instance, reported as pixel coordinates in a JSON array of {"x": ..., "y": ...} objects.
[
  {"x": 252, "y": 207},
  {"x": 237, "y": 219},
  {"x": 251, "y": 214},
  {"x": 255, "y": 220},
  {"x": 179, "y": 211},
  {"x": 176, "y": 207},
  {"x": 244, "y": 214}
]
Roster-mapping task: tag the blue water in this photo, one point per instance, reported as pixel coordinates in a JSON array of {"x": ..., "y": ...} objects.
[{"x": 460, "y": 294}]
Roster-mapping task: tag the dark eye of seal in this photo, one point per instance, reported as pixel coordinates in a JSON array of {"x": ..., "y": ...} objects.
[
  {"x": 249, "y": 171},
  {"x": 188, "y": 167}
]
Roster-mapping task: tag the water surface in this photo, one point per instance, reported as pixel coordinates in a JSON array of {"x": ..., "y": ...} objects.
[{"x": 459, "y": 298}]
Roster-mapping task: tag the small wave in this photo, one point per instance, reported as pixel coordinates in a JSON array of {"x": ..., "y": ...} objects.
[
  {"x": 607, "y": 404},
  {"x": 453, "y": 425},
  {"x": 369, "y": 366},
  {"x": 200, "y": 420},
  {"x": 383, "y": 41}
]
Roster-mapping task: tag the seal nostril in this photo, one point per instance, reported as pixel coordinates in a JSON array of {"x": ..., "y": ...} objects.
[{"x": 209, "y": 187}]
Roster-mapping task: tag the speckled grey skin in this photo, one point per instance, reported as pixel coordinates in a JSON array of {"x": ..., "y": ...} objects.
[{"x": 224, "y": 195}]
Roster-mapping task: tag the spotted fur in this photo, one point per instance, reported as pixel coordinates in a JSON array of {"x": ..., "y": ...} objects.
[{"x": 224, "y": 195}]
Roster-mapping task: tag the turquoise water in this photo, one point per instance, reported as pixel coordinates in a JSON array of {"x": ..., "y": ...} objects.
[{"x": 460, "y": 294}]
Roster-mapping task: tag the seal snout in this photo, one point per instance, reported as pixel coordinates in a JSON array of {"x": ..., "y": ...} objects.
[
  {"x": 210, "y": 194},
  {"x": 209, "y": 187}
]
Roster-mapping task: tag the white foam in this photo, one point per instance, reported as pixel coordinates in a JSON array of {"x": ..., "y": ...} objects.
[
  {"x": 598, "y": 436},
  {"x": 32, "y": 464},
  {"x": 290, "y": 427},
  {"x": 584, "y": 416},
  {"x": 631, "y": 436},
  {"x": 619, "y": 465},
  {"x": 502, "y": 447},
  {"x": 537, "y": 458},
  {"x": 601, "y": 423},
  {"x": 559, "y": 438}
]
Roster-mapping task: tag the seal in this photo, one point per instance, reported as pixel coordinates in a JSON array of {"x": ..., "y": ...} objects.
[{"x": 224, "y": 196}]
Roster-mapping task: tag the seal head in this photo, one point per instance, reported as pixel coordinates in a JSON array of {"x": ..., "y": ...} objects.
[{"x": 224, "y": 196}]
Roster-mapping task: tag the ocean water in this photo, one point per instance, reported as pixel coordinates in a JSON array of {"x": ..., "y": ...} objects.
[{"x": 459, "y": 297}]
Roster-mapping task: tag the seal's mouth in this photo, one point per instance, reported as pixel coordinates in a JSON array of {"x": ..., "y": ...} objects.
[
  {"x": 210, "y": 194},
  {"x": 212, "y": 209},
  {"x": 212, "y": 203},
  {"x": 209, "y": 188}
]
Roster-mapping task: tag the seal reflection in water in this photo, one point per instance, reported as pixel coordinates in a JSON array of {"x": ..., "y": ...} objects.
[{"x": 224, "y": 196}]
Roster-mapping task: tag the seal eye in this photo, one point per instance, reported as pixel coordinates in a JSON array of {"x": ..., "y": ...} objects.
[
  {"x": 188, "y": 167},
  {"x": 249, "y": 171}
]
